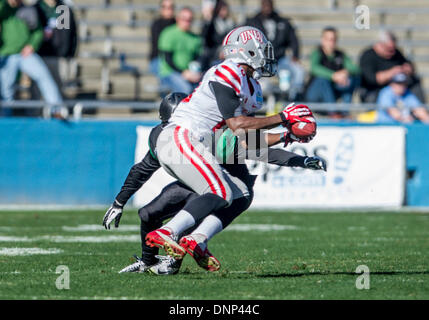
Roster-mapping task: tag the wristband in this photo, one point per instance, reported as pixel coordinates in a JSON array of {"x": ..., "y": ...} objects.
[
  {"x": 285, "y": 139},
  {"x": 116, "y": 203}
]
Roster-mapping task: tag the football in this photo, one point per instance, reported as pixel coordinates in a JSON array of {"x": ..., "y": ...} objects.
[{"x": 304, "y": 129}]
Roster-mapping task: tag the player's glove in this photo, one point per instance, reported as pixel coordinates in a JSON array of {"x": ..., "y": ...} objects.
[
  {"x": 295, "y": 113},
  {"x": 114, "y": 212},
  {"x": 289, "y": 138},
  {"x": 315, "y": 163}
]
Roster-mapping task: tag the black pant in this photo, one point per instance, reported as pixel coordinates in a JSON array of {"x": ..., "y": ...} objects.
[{"x": 170, "y": 201}]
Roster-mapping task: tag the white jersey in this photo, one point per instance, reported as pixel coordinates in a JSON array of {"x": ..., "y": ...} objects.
[{"x": 200, "y": 113}]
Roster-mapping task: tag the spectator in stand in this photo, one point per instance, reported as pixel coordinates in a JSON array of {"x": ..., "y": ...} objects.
[
  {"x": 179, "y": 50},
  {"x": 57, "y": 42},
  {"x": 333, "y": 73},
  {"x": 213, "y": 34},
  {"x": 380, "y": 63},
  {"x": 207, "y": 10},
  {"x": 166, "y": 18},
  {"x": 21, "y": 36},
  {"x": 282, "y": 35},
  {"x": 396, "y": 103}
]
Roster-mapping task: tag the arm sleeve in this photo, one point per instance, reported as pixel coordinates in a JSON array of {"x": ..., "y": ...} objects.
[
  {"x": 285, "y": 158},
  {"x": 36, "y": 38},
  {"x": 166, "y": 48},
  {"x": 350, "y": 66},
  {"x": 402, "y": 58},
  {"x": 226, "y": 99},
  {"x": 368, "y": 69},
  {"x": 317, "y": 69},
  {"x": 412, "y": 101},
  {"x": 138, "y": 175},
  {"x": 168, "y": 56},
  {"x": 385, "y": 99}
]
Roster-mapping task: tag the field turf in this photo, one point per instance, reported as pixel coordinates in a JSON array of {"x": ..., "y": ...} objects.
[{"x": 264, "y": 255}]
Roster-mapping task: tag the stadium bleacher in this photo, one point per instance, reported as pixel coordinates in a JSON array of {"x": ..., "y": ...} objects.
[
  {"x": 110, "y": 28},
  {"x": 112, "y": 60}
]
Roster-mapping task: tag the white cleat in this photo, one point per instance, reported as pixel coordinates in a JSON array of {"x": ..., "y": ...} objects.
[
  {"x": 166, "y": 266},
  {"x": 138, "y": 266}
]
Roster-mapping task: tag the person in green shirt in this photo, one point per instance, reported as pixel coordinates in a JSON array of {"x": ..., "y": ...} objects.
[
  {"x": 333, "y": 73},
  {"x": 20, "y": 37},
  {"x": 179, "y": 50}
]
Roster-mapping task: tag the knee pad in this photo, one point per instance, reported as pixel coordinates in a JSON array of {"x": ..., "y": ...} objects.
[
  {"x": 144, "y": 215},
  {"x": 147, "y": 220}
]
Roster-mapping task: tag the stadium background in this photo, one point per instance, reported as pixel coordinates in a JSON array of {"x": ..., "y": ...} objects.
[
  {"x": 85, "y": 160},
  {"x": 53, "y": 171}
]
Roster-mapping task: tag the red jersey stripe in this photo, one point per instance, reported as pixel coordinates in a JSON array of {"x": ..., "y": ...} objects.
[
  {"x": 219, "y": 125},
  {"x": 233, "y": 73},
  {"x": 219, "y": 181},
  {"x": 200, "y": 170},
  {"x": 225, "y": 78}
]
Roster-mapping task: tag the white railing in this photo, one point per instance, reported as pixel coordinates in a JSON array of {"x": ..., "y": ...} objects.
[{"x": 78, "y": 106}]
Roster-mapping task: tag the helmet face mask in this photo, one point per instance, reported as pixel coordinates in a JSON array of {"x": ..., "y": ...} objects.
[
  {"x": 270, "y": 67},
  {"x": 248, "y": 45}
]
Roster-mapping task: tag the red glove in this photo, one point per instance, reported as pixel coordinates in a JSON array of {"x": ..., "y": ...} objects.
[
  {"x": 289, "y": 138},
  {"x": 295, "y": 113}
]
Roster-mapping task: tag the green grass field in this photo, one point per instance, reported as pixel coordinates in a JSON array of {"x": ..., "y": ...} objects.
[{"x": 287, "y": 255}]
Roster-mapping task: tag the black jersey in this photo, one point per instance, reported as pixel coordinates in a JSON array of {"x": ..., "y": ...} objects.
[{"x": 142, "y": 171}]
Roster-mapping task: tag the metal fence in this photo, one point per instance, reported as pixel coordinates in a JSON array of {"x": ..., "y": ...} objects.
[{"x": 79, "y": 106}]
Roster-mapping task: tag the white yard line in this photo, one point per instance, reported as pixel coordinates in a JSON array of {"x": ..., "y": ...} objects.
[
  {"x": 71, "y": 239},
  {"x": 97, "y": 227},
  {"x": 15, "y": 239},
  {"x": 27, "y": 251},
  {"x": 233, "y": 227},
  {"x": 109, "y": 237},
  {"x": 50, "y": 207},
  {"x": 260, "y": 227}
]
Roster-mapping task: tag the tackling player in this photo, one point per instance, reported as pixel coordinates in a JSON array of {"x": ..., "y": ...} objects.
[{"x": 174, "y": 196}]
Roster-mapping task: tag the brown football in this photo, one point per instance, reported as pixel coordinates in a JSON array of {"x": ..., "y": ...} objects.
[{"x": 304, "y": 129}]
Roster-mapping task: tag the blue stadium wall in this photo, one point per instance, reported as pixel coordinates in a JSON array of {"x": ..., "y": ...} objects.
[{"x": 86, "y": 162}]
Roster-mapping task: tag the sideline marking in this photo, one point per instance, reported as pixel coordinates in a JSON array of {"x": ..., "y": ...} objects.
[{"x": 28, "y": 251}]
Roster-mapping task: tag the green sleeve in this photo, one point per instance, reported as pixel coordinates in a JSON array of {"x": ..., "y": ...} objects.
[
  {"x": 351, "y": 67},
  {"x": 199, "y": 46},
  {"x": 36, "y": 38},
  {"x": 165, "y": 42},
  {"x": 151, "y": 152},
  {"x": 317, "y": 69}
]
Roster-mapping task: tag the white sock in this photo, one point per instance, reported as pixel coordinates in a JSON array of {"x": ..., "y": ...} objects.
[
  {"x": 200, "y": 239},
  {"x": 209, "y": 227},
  {"x": 180, "y": 222}
]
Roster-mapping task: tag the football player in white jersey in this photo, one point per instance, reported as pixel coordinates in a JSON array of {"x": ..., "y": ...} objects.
[
  {"x": 227, "y": 93},
  {"x": 174, "y": 196}
]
